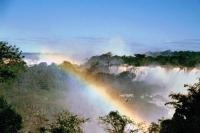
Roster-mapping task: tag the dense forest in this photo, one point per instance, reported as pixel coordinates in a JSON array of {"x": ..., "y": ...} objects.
[
  {"x": 180, "y": 58},
  {"x": 176, "y": 58},
  {"x": 33, "y": 99}
]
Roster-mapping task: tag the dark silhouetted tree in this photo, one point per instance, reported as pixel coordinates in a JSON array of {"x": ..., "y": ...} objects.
[
  {"x": 10, "y": 121},
  {"x": 186, "y": 118},
  {"x": 154, "y": 128}
]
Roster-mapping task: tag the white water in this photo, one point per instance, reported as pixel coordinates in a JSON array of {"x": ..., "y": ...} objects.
[{"x": 170, "y": 79}]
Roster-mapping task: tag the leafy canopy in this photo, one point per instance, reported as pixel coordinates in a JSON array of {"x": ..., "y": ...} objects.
[
  {"x": 11, "y": 61},
  {"x": 187, "y": 112},
  {"x": 116, "y": 123},
  {"x": 64, "y": 122}
]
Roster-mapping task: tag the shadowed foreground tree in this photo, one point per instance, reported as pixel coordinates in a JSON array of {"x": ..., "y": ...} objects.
[
  {"x": 10, "y": 121},
  {"x": 186, "y": 118},
  {"x": 64, "y": 122},
  {"x": 11, "y": 61},
  {"x": 154, "y": 128},
  {"x": 116, "y": 123}
]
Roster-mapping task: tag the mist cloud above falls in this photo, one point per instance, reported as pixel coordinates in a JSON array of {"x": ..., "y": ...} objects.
[
  {"x": 81, "y": 48},
  {"x": 98, "y": 46}
]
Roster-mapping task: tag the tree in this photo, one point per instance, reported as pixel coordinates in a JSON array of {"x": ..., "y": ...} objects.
[
  {"x": 10, "y": 121},
  {"x": 64, "y": 122},
  {"x": 66, "y": 65},
  {"x": 116, "y": 123},
  {"x": 154, "y": 128},
  {"x": 187, "y": 112},
  {"x": 139, "y": 59},
  {"x": 11, "y": 61}
]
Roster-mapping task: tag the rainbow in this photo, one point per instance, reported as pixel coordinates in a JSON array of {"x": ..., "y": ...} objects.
[{"x": 99, "y": 89}]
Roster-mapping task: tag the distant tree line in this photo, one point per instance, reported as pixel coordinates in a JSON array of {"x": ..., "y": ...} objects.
[
  {"x": 180, "y": 58},
  {"x": 176, "y": 58}
]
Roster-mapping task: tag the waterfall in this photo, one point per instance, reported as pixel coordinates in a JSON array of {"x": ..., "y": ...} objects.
[{"x": 170, "y": 79}]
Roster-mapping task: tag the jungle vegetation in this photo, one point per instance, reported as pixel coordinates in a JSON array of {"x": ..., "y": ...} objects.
[
  {"x": 177, "y": 58},
  {"x": 33, "y": 98}
]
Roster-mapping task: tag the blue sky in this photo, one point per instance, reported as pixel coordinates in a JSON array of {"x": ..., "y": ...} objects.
[{"x": 92, "y": 27}]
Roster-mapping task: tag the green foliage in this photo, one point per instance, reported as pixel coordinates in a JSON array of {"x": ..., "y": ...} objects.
[
  {"x": 11, "y": 64},
  {"x": 181, "y": 58},
  {"x": 93, "y": 69},
  {"x": 64, "y": 122},
  {"x": 11, "y": 61},
  {"x": 128, "y": 59},
  {"x": 10, "y": 121},
  {"x": 187, "y": 112},
  {"x": 126, "y": 76},
  {"x": 40, "y": 89},
  {"x": 116, "y": 123},
  {"x": 42, "y": 77},
  {"x": 66, "y": 65}
]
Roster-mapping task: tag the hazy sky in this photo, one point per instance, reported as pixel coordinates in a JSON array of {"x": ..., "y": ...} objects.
[{"x": 88, "y": 27}]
